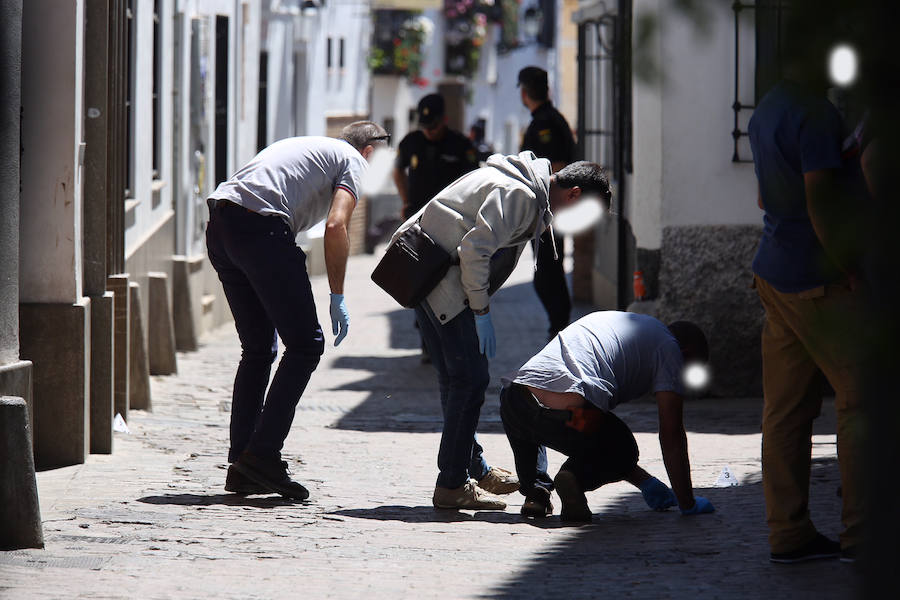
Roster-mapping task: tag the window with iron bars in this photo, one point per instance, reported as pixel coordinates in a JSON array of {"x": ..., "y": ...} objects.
[{"x": 770, "y": 17}]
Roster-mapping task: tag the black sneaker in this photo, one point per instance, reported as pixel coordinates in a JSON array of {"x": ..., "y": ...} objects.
[
  {"x": 238, "y": 484},
  {"x": 537, "y": 503},
  {"x": 820, "y": 547},
  {"x": 270, "y": 473},
  {"x": 574, "y": 503}
]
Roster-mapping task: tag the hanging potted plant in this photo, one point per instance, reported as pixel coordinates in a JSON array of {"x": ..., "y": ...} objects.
[
  {"x": 401, "y": 38},
  {"x": 466, "y": 22}
]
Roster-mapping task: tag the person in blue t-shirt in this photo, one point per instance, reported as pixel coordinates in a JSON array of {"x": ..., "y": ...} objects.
[{"x": 805, "y": 277}]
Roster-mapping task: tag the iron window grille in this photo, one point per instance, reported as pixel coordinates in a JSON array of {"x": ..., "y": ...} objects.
[{"x": 769, "y": 16}]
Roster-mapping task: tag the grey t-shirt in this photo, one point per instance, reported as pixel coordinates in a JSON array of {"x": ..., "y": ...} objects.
[
  {"x": 295, "y": 178},
  {"x": 608, "y": 357}
]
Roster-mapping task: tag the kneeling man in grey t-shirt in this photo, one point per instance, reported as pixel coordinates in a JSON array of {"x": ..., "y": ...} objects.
[{"x": 563, "y": 398}]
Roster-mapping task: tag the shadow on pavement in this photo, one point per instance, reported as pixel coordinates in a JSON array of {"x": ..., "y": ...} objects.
[
  {"x": 403, "y": 332},
  {"x": 402, "y": 396},
  {"x": 221, "y": 499},
  {"x": 666, "y": 555},
  {"x": 427, "y": 514}
]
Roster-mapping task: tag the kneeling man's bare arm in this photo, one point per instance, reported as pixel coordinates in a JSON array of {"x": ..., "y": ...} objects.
[{"x": 673, "y": 442}]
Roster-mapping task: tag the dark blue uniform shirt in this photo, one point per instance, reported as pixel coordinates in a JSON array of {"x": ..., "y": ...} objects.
[{"x": 433, "y": 165}]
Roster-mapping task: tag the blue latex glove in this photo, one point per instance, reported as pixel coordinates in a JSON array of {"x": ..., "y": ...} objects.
[
  {"x": 340, "y": 318},
  {"x": 657, "y": 495},
  {"x": 701, "y": 506},
  {"x": 487, "y": 340}
]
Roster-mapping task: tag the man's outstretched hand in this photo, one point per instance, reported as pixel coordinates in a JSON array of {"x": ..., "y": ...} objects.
[
  {"x": 701, "y": 506},
  {"x": 657, "y": 495}
]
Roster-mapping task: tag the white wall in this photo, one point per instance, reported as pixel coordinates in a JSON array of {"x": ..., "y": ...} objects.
[
  {"x": 645, "y": 202},
  {"x": 683, "y": 172},
  {"x": 302, "y": 91},
  {"x": 392, "y": 99},
  {"x": 280, "y": 46},
  {"x": 701, "y": 185},
  {"x": 145, "y": 217},
  {"x": 167, "y": 105},
  {"x": 182, "y": 184},
  {"x": 340, "y": 92},
  {"x": 246, "y": 68},
  {"x": 52, "y": 94}
]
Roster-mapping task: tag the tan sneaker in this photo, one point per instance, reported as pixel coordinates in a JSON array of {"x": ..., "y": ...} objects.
[
  {"x": 468, "y": 495},
  {"x": 499, "y": 481}
]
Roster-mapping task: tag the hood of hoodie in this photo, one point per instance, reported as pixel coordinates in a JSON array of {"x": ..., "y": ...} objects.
[
  {"x": 527, "y": 168},
  {"x": 535, "y": 172}
]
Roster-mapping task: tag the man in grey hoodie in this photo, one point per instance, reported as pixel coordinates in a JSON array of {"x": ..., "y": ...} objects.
[{"x": 485, "y": 218}]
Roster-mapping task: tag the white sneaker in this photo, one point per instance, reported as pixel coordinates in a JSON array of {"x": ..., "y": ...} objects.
[{"x": 468, "y": 495}]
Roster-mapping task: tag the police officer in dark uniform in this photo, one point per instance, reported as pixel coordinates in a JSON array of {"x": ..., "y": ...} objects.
[
  {"x": 430, "y": 159},
  {"x": 548, "y": 136}
]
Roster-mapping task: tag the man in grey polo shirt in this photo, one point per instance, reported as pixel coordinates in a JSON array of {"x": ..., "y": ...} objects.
[
  {"x": 254, "y": 219},
  {"x": 563, "y": 398}
]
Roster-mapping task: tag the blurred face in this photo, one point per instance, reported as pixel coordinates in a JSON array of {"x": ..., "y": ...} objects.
[{"x": 435, "y": 131}]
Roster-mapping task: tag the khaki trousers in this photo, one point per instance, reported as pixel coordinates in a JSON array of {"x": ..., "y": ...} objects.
[{"x": 804, "y": 332}]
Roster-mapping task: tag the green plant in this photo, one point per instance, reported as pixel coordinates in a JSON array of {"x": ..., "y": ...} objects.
[{"x": 400, "y": 41}]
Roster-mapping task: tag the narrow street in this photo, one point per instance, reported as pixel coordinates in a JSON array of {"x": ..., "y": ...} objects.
[{"x": 152, "y": 520}]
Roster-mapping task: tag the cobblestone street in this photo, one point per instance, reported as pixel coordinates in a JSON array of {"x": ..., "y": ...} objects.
[{"x": 152, "y": 520}]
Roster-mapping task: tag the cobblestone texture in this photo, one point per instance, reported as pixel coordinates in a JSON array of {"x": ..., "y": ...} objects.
[{"x": 152, "y": 520}]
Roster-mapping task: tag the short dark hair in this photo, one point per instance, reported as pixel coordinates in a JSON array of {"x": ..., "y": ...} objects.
[
  {"x": 590, "y": 177},
  {"x": 534, "y": 81},
  {"x": 691, "y": 340},
  {"x": 365, "y": 133}
]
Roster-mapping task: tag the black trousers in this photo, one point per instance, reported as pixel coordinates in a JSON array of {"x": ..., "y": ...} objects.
[
  {"x": 603, "y": 456},
  {"x": 550, "y": 283},
  {"x": 263, "y": 273}
]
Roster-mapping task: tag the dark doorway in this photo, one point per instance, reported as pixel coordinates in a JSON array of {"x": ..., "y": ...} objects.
[
  {"x": 262, "y": 114},
  {"x": 221, "y": 99}
]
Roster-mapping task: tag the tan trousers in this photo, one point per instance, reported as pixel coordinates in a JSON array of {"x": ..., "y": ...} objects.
[{"x": 804, "y": 332}]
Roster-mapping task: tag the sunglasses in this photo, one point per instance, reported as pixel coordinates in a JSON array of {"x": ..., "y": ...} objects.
[{"x": 386, "y": 138}]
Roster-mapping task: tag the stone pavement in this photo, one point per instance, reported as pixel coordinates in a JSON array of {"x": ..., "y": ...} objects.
[{"x": 152, "y": 520}]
